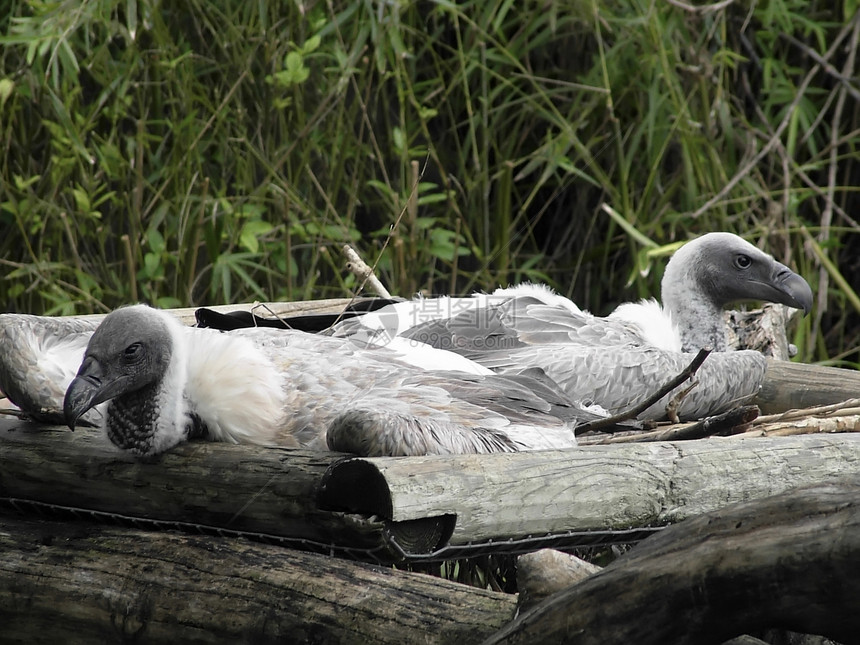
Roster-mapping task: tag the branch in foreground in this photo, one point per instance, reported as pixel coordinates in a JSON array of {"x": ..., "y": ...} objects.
[{"x": 606, "y": 424}]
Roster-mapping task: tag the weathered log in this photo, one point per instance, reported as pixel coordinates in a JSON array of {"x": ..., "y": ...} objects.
[
  {"x": 798, "y": 385},
  {"x": 790, "y": 561},
  {"x": 203, "y": 485},
  {"x": 587, "y": 488},
  {"x": 262, "y": 309},
  {"x": 81, "y": 583},
  {"x": 419, "y": 503}
]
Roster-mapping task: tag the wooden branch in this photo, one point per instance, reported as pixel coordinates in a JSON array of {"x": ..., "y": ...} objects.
[
  {"x": 790, "y": 561},
  {"x": 729, "y": 422},
  {"x": 363, "y": 272},
  {"x": 844, "y": 408},
  {"x": 73, "y": 583},
  {"x": 807, "y": 425},
  {"x": 608, "y": 422},
  {"x": 789, "y": 385}
]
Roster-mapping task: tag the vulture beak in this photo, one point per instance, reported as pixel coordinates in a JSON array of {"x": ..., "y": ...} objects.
[
  {"x": 88, "y": 389},
  {"x": 791, "y": 289}
]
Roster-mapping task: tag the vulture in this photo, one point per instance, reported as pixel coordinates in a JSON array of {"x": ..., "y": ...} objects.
[
  {"x": 160, "y": 383},
  {"x": 39, "y": 356},
  {"x": 701, "y": 279},
  {"x": 617, "y": 361}
]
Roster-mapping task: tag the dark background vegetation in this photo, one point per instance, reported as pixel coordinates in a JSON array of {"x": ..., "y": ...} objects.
[{"x": 190, "y": 152}]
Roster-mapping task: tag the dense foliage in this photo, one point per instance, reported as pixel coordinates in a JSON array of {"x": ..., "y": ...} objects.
[{"x": 197, "y": 152}]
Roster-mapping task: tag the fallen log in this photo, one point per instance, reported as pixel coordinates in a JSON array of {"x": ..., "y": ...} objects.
[
  {"x": 200, "y": 485},
  {"x": 586, "y": 488},
  {"x": 790, "y": 561},
  {"x": 412, "y": 508},
  {"x": 790, "y": 385},
  {"x": 74, "y": 583}
]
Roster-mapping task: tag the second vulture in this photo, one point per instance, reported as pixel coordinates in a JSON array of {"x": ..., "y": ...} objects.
[{"x": 615, "y": 361}]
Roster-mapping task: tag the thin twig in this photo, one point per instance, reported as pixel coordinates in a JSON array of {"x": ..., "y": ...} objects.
[
  {"x": 847, "y": 407},
  {"x": 633, "y": 412},
  {"x": 835, "y": 73},
  {"x": 725, "y": 423}
]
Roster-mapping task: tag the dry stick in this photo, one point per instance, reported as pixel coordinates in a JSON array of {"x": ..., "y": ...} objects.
[
  {"x": 847, "y": 407},
  {"x": 363, "y": 272},
  {"x": 129, "y": 262},
  {"x": 727, "y": 421},
  {"x": 394, "y": 227},
  {"x": 842, "y": 77},
  {"x": 604, "y": 424}
]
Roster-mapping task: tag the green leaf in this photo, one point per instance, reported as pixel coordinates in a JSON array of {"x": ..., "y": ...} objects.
[
  {"x": 82, "y": 200},
  {"x": 7, "y": 86},
  {"x": 151, "y": 262},
  {"x": 311, "y": 44},
  {"x": 251, "y": 231},
  {"x": 131, "y": 17},
  {"x": 156, "y": 241}
]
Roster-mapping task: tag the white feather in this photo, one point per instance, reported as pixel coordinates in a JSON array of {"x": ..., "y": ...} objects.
[
  {"x": 654, "y": 323},
  {"x": 233, "y": 387}
]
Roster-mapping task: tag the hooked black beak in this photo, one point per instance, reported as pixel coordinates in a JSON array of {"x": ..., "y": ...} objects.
[
  {"x": 87, "y": 390},
  {"x": 792, "y": 289}
]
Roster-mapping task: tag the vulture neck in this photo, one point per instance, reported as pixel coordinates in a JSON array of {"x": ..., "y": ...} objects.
[{"x": 696, "y": 315}]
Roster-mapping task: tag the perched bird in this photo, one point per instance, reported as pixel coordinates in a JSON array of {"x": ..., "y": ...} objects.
[
  {"x": 701, "y": 279},
  {"x": 164, "y": 383},
  {"x": 616, "y": 361}
]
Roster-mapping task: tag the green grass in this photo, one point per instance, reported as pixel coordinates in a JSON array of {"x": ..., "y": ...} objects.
[{"x": 199, "y": 152}]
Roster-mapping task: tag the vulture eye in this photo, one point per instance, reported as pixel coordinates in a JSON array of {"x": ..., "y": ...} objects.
[
  {"x": 743, "y": 261},
  {"x": 133, "y": 350}
]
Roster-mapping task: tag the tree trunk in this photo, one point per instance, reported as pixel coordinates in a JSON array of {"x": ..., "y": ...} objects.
[
  {"x": 83, "y": 583},
  {"x": 791, "y": 561}
]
